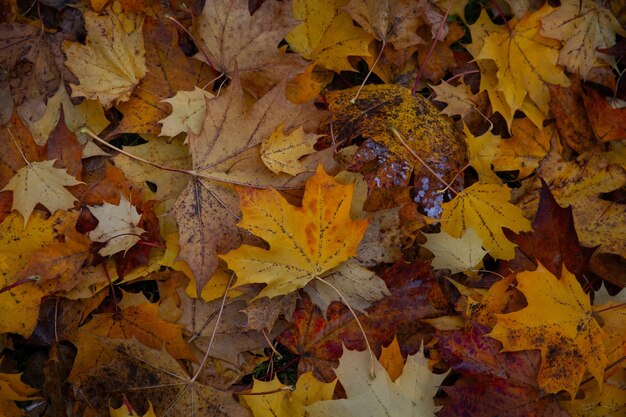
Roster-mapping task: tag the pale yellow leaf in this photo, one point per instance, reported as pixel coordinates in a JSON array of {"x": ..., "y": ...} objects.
[
  {"x": 457, "y": 255},
  {"x": 188, "y": 112},
  {"x": 117, "y": 226},
  {"x": 41, "y": 183},
  {"x": 281, "y": 151}
]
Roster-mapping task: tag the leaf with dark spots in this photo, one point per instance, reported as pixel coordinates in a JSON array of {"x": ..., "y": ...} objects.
[
  {"x": 382, "y": 158},
  {"x": 553, "y": 241},
  {"x": 415, "y": 294}
]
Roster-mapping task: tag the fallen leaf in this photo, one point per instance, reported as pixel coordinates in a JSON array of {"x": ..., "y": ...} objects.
[
  {"x": 13, "y": 389},
  {"x": 526, "y": 60},
  {"x": 492, "y": 382},
  {"x": 299, "y": 252},
  {"x": 411, "y": 394},
  {"x": 457, "y": 255},
  {"x": 607, "y": 122},
  {"x": 117, "y": 227},
  {"x": 278, "y": 402},
  {"x": 41, "y": 183},
  {"x": 583, "y": 27},
  {"x": 280, "y": 152},
  {"x": 127, "y": 410},
  {"x": 391, "y": 359},
  {"x": 459, "y": 98},
  {"x": 143, "y": 374},
  {"x": 482, "y": 150},
  {"x": 248, "y": 43},
  {"x": 111, "y": 63},
  {"x": 326, "y": 34},
  {"x": 382, "y": 158},
  {"x": 486, "y": 209},
  {"x": 188, "y": 112},
  {"x": 558, "y": 322}
]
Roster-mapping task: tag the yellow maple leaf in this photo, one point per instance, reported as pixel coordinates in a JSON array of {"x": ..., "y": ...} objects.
[
  {"x": 304, "y": 241},
  {"x": 482, "y": 151},
  {"x": 280, "y": 402},
  {"x": 526, "y": 60},
  {"x": 457, "y": 255},
  {"x": 327, "y": 35},
  {"x": 126, "y": 410},
  {"x": 281, "y": 151},
  {"x": 41, "y": 182},
  {"x": 486, "y": 209},
  {"x": 391, "y": 359},
  {"x": 13, "y": 389},
  {"x": 112, "y": 61},
  {"x": 558, "y": 321}
]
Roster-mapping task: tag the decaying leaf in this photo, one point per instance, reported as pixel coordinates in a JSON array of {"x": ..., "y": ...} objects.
[
  {"x": 559, "y": 323},
  {"x": 382, "y": 158}
]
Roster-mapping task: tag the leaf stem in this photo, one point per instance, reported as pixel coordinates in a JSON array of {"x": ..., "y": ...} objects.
[
  {"x": 358, "y": 322},
  {"x": 217, "y": 322},
  {"x": 382, "y": 48},
  {"x": 418, "y": 78}
]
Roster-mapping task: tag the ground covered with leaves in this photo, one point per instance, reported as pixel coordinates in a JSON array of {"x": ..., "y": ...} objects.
[{"x": 312, "y": 208}]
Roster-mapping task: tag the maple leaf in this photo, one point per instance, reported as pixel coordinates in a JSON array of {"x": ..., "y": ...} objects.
[
  {"x": 526, "y": 60},
  {"x": 559, "y": 323},
  {"x": 117, "y": 226},
  {"x": 411, "y": 394},
  {"x": 553, "y": 241},
  {"x": 13, "y": 389},
  {"x": 491, "y": 382},
  {"x": 485, "y": 208},
  {"x": 391, "y": 359},
  {"x": 143, "y": 374},
  {"x": 583, "y": 27},
  {"x": 127, "y": 410},
  {"x": 457, "y": 255},
  {"x": 327, "y": 35},
  {"x": 188, "y": 112},
  {"x": 482, "y": 306},
  {"x": 281, "y": 403},
  {"x": 304, "y": 241},
  {"x": 386, "y": 163},
  {"x": 607, "y": 122},
  {"x": 482, "y": 150},
  {"x": 247, "y": 43},
  {"x": 395, "y": 22},
  {"x": 280, "y": 152},
  {"x": 112, "y": 62},
  {"x": 18, "y": 244},
  {"x": 227, "y": 152},
  {"x": 459, "y": 98},
  {"x": 41, "y": 182}
]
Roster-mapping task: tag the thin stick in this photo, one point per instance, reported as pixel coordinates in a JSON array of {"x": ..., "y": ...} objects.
[
  {"x": 18, "y": 146},
  {"x": 358, "y": 322},
  {"x": 418, "y": 78},
  {"x": 217, "y": 322},
  {"x": 356, "y": 96},
  {"x": 398, "y": 136},
  {"x": 271, "y": 345}
]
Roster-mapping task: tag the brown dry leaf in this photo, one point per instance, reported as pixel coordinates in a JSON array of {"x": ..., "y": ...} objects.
[
  {"x": 112, "y": 62},
  {"x": 142, "y": 374},
  {"x": 385, "y": 162},
  {"x": 227, "y": 151},
  {"x": 459, "y": 98},
  {"x": 41, "y": 183},
  {"x": 248, "y": 44}
]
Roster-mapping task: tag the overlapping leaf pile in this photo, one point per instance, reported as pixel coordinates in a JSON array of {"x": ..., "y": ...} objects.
[{"x": 203, "y": 212}]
